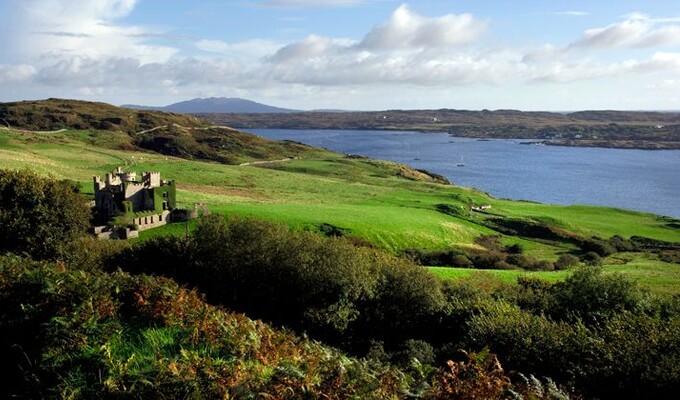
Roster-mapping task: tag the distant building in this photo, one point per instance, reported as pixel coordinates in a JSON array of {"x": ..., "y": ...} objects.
[
  {"x": 120, "y": 193},
  {"x": 144, "y": 204}
]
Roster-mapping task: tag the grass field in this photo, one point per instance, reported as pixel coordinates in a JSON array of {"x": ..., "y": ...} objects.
[
  {"x": 367, "y": 198},
  {"x": 657, "y": 276}
]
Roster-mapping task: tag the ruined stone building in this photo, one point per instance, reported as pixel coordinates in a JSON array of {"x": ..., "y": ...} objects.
[{"x": 146, "y": 202}]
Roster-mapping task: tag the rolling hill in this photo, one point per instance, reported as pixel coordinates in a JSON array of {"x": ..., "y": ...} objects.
[{"x": 163, "y": 132}]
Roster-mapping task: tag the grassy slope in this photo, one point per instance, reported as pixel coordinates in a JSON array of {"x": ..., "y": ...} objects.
[
  {"x": 367, "y": 197},
  {"x": 657, "y": 276}
]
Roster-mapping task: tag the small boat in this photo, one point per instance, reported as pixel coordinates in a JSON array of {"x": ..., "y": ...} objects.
[{"x": 461, "y": 163}]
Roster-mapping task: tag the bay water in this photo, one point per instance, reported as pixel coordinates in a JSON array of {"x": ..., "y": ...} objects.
[{"x": 643, "y": 180}]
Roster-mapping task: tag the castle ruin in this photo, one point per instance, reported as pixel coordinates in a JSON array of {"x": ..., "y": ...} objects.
[{"x": 145, "y": 203}]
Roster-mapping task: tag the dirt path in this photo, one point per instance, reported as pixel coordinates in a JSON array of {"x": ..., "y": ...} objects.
[
  {"x": 8, "y": 128},
  {"x": 267, "y": 161},
  {"x": 183, "y": 127}
]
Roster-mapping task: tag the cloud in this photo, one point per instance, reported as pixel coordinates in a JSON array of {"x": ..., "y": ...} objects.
[
  {"x": 16, "y": 73},
  {"x": 53, "y": 29},
  {"x": 637, "y": 30},
  {"x": 246, "y": 51},
  {"x": 94, "y": 54},
  {"x": 406, "y": 29}
]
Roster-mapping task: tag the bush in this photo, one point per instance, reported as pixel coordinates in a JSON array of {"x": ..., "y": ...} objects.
[
  {"x": 520, "y": 261},
  {"x": 514, "y": 249},
  {"x": 621, "y": 244},
  {"x": 590, "y": 295},
  {"x": 414, "y": 349},
  {"x": 40, "y": 216},
  {"x": 461, "y": 261},
  {"x": 566, "y": 261},
  {"x": 542, "y": 265},
  {"x": 77, "y": 335},
  {"x": 488, "y": 260},
  {"x": 324, "y": 286},
  {"x": 598, "y": 246},
  {"x": 592, "y": 258}
]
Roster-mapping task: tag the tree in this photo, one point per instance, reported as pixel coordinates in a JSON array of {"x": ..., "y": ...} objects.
[{"x": 39, "y": 216}]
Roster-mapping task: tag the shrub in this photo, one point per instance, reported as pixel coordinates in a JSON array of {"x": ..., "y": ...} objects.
[
  {"x": 488, "y": 260},
  {"x": 592, "y": 258},
  {"x": 39, "y": 216},
  {"x": 324, "y": 286},
  {"x": 77, "y": 335},
  {"x": 461, "y": 261},
  {"x": 589, "y": 295},
  {"x": 621, "y": 244},
  {"x": 542, "y": 265},
  {"x": 514, "y": 248},
  {"x": 566, "y": 261},
  {"x": 414, "y": 349},
  {"x": 534, "y": 294},
  {"x": 598, "y": 246},
  {"x": 503, "y": 265}
]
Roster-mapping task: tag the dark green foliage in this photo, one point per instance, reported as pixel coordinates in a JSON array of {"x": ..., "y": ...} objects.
[
  {"x": 592, "y": 258},
  {"x": 590, "y": 295},
  {"x": 541, "y": 265},
  {"x": 332, "y": 230},
  {"x": 165, "y": 194},
  {"x": 621, "y": 244},
  {"x": 601, "y": 248},
  {"x": 514, "y": 248},
  {"x": 455, "y": 210},
  {"x": 327, "y": 287},
  {"x": 77, "y": 335},
  {"x": 534, "y": 295},
  {"x": 414, "y": 349},
  {"x": 566, "y": 261},
  {"x": 450, "y": 258},
  {"x": 532, "y": 228},
  {"x": 39, "y": 216},
  {"x": 461, "y": 261}
]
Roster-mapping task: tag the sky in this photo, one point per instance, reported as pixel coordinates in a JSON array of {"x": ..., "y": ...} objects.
[{"x": 346, "y": 54}]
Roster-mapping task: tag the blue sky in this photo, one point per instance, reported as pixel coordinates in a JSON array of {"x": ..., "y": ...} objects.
[{"x": 350, "y": 54}]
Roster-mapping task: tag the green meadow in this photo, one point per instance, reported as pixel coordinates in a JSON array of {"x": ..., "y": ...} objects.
[
  {"x": 368, "y": 199},
  {"x": 659, "y": 277}
]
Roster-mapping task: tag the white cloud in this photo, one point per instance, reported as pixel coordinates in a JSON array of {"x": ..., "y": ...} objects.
[
  {"x": 16, "y": 73},
  {"x": 53, "y": 29},
  {"x": 246, "y": 51},
  {"x": 406, "y": 29},
  {"x": 637, "y": 30},
  {"x": 87, "y": 51}
]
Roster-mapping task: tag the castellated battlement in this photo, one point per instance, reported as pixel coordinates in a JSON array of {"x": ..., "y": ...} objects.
[
  {"x": 121, "y": 193},
  {"x": 125, "y": 205}
]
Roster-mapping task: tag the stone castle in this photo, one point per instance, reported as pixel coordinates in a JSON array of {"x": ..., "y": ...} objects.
[{"x": 146, "y": 203}]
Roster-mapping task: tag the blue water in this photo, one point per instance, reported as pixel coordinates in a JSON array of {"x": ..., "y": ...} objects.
[{"x": 641, "y": 180}]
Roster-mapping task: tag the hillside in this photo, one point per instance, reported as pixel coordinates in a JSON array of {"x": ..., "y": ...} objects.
[
  {"x": 385, "y": 204},
  {"x": 332, "y": 247},
  {"x": 121, "y": 336},
  {"x": 104, "y": 125},
  {"x": 216, "y": 105},
  {"x": 625, "y": 129}
]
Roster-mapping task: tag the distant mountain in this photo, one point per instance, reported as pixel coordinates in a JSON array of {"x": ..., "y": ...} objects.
[{"x": 223, "y": 105}]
